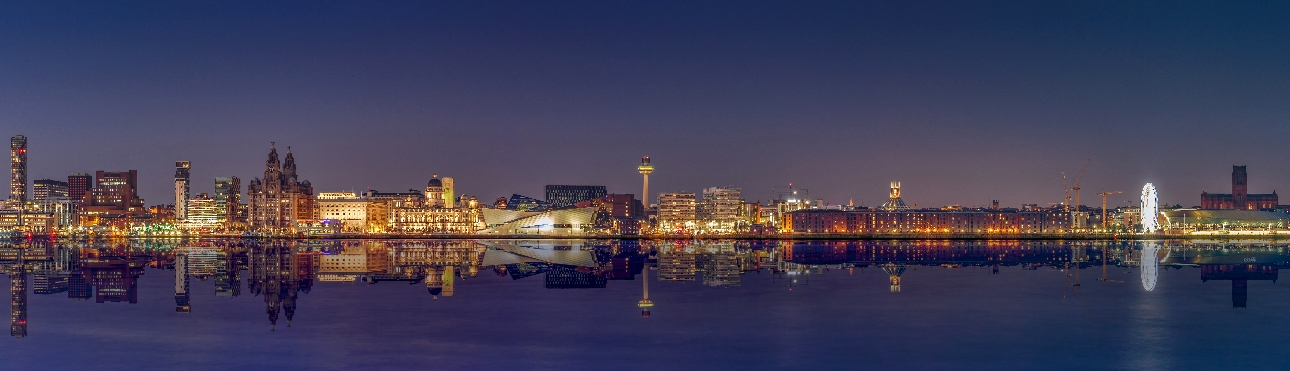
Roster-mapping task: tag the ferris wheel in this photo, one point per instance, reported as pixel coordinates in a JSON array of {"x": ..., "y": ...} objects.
[{"x": 1150, "y": 209}]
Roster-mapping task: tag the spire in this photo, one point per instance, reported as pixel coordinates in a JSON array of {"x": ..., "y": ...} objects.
[
  {"x": 272, "y": 163},
  {"x": 289, "y": 166}
]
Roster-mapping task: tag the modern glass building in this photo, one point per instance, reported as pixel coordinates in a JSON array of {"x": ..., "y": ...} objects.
[{"x": 567, "y": 195}]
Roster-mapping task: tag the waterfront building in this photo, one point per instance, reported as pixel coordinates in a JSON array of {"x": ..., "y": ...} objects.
[
  {"x": 1240, "y": 198},
  {"x": 46, "y": 188},
  {"x": 567, "y": 195},
  {"x": 181, "y": 190},
  {"x": 434, "y": 196},
  {"x": 79, "y": 186},
  {"x": 228, "y": 196},
  {"x": 927, "y": 221},
  {"x": 433, "y": 220},
  {"x": 676, "y": 212},
  {"x": 1193, "y": 219},
  {"x": 563, "y": 222},
  {"x": 63, "y": 209},
  {"x": 18, "y": 170},
  {"x": 279, "y": 200},
  {"x": 347, "y": 208},
  {"x": 203, "y": 212},
  {"x": 114, "y": 200},
  {"x": 525, "y": 203},
  {"x": 721, "y": 211}
]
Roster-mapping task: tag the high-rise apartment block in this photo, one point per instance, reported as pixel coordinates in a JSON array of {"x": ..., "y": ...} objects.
[
  {"x": 721, "y": 205},
  {"x": 42, "y": 189},
  {"x": 18, "y": 169},
  {"x": 567, "y": 195},
  {"x": 676, "y": 207},
  {"x": 181, "y": 190}
]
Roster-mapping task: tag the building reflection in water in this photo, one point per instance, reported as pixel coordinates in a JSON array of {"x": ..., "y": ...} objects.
[
  {"x": 280, "y": 272},
  {"x": 18, "y": 298}
]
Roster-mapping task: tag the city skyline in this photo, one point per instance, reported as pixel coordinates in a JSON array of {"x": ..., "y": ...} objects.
[
  {"x": 962, "y": 104},
  {"x": 1128, "y": 199}
]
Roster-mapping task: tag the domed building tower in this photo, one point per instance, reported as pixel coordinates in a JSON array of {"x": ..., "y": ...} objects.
[{"x": 434, "y": 192}]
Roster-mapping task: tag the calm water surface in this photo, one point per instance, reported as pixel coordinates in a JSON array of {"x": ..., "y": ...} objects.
[{"x": 553, "y": 304}]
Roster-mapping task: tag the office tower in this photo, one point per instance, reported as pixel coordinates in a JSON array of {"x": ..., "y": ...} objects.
[
  {"x": 228, "y": 194},
  {"x": 79, "y": 185},
  {"x": 181, "y": 190},
  {"x": 567, "y": 195},
  {"x": 645, "y": 169},
  {"x": 18, "y": 169},
  {"x": 278, "y": 200},
  {"x": 45, "y": 188}
]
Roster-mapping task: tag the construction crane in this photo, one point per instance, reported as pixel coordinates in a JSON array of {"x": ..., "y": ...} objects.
[
  {"x": 1075, "y": 187},
  {"x": 1104, "y": 194}
]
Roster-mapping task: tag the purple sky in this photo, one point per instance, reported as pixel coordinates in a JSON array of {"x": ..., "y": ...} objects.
[{"x": 963, "y": 102}]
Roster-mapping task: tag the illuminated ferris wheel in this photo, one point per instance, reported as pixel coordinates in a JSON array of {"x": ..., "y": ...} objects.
[{"x": 1150, "y": 209}]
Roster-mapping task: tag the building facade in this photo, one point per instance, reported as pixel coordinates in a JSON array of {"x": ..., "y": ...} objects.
[
  {"x": 228, "y": 195},
  {"x": 1240, "y": 198},
  {"x": 46, "y": 188},
  {"x": 181, "y": 190},
  {"x": 79, "y": 186},
  {"x": 18, "y": 169},
  {"x": 568, "y": 195},
  {"x": 279, "y": 200},
  {"x": 927, "y": 221}
]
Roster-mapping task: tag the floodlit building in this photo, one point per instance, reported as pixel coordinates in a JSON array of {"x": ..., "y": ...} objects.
[
  {"x": 927, "y": 221},
  {"x": 18, "y": 169},
  {"x": 203, "y": 212},
  {"x": 1240, "y": 198},
  {"x": 676, "y": 212},
  {"x": 346, "y": 207},
  {"x": 721, "y": 211},
  {"x": 279, "y": 200}
]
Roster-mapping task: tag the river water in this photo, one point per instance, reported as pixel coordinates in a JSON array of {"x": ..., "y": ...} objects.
[{"x": 551, "y": 304}]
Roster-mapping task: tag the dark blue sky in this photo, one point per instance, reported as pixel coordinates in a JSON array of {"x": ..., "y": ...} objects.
[{"x": 963, "y": 102}]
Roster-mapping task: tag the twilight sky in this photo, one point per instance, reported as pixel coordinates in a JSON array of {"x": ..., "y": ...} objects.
[{"x": 964, "y": 102}]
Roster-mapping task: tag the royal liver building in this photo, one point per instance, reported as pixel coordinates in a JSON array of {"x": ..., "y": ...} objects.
[{"x": 278, "y": 201}]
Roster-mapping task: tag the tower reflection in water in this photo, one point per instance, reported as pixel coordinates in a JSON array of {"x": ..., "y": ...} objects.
[{"x": 280, "y": 272}]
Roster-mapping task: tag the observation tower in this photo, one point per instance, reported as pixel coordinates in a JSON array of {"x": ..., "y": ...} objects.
[{"x": 645, "y": 169}]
